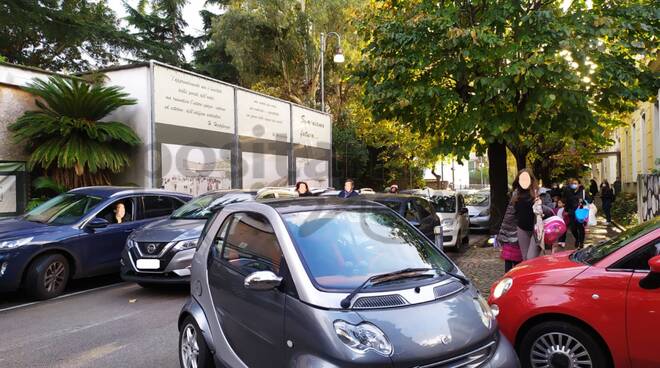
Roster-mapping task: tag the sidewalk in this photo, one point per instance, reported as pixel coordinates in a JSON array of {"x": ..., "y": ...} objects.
[{"x": 595, "y": 234}]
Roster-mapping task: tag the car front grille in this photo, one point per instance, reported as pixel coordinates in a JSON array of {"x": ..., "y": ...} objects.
[
  {"x": 472, "y": 359},
  {"x": 381, "y": 301},
  {"x": 150, "y": 249}
]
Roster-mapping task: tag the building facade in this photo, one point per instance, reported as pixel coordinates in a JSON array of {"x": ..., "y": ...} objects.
[{"x": 636, "y": 148}]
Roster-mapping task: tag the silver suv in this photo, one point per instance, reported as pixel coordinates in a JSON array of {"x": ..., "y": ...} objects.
[
  {"x": 327, "y": 282},
  {"x": 161, "y": 252}
]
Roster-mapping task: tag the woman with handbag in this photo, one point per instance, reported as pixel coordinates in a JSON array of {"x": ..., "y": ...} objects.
[{"x": 527, "y": 206}]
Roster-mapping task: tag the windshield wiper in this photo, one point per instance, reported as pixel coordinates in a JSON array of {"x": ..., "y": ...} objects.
[{"x": 383, "y": 277}]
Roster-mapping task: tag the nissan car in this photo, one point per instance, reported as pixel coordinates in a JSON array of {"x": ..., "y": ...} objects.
[
  {"x": 161, "y": 252},
  {"x": 326, "y": 282}
]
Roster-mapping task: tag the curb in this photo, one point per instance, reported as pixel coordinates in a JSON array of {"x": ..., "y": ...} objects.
[{"x": 619, "y": 226}]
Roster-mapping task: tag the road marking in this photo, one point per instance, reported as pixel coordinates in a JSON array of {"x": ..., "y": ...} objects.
[
  {"x": 85, "y": 358},
  {"x": 62, "y": 296}
]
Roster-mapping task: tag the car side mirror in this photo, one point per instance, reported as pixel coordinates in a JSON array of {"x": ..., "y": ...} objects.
[
  {"x": 654, "y": 264},
  {"x": 652, "y": 280},
  {"x": 97, "y": 223},
  {"x": 262, "y": 281}
]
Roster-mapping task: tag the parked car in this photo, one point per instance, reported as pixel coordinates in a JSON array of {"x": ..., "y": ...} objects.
[
  {"x": 75, "y": 235},
  {"x": 594, "y": 307},
  {"x": 366, "y": 191},
  {"x": 324, "y": 282},
  {"x": 450, "y": 208},
  {"x": 161, "y": 252},
  {"x": 417, "y": 210},
  {"x": 478, "y": 205},
  {"x": 422, "y": 192}
]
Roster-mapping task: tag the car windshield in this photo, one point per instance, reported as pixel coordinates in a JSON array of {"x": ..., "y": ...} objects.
[
  {"x": 65, "y": 209},
  {"x": 592, "y": 255},
  {"x": 477, "y": 199},
  {"x": 342, "y": 249},
  {"x": 201, "y": 208},
  {"x": 444, "y": 203}
]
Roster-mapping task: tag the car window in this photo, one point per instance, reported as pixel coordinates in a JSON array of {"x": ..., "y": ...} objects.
[
  {"x": 158, "y": 206},
  {"x": 342, "y": 248},
  {"x": 395, "y": 206},
  {"x": 423, "y": 208},
  {"x": 444, "y": 203},
  {"x": 595, "y": 253},
  {"x": 639, "y": 260},
  {"x": 411, "y": 212},
  {"x": 251, "y": 244},
  {"x": 65, "y": 209},
  {"x": 120, "y": 211},
  {"x": 478, "y": 199},
  {"x": 219, "y": 239}
]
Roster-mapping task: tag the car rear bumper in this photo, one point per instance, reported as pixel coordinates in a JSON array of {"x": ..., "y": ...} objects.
[{"x": 479, "y": 222}]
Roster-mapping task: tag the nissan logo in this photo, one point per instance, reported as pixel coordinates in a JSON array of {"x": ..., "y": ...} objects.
[{"x": 151, "y": 248}]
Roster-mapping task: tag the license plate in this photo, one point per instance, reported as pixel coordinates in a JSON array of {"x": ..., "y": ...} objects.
[{"x": 148, "y": 264}]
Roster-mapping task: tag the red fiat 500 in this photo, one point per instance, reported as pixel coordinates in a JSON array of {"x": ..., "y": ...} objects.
[{"x": 596, "y": 307}]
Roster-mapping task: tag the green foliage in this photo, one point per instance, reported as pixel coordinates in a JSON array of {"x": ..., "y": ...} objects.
[
  {"x": 66, "y": 132},
  {"x": 61, "y": 35},
  {"x": 473, "y": 73},
  {"x": 159, "y": 34},
  {"x": 45, "y": 188},
  {"x": 624, "y": 209}
]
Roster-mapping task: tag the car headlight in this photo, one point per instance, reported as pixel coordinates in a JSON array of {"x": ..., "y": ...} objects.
[
  {"x": 486, "y": 314},
  {"x": 448, "y": 223},
  {"x": 363, "y": 337},
  {"x": 130, "y": 243},
  {"x": 15, "y": 243},
  {"x": 502, "y": 287},
  {"x": 185, "y": 244}
]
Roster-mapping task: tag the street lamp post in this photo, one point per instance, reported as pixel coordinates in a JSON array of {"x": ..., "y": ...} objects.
[{"x": 338, "y": 58}]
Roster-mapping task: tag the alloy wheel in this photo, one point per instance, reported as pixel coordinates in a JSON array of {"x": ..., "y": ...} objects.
[
  {"x": 54, "y": 276},
  {"x": 559, "y": 350},
  {"x": 189, "y": 346}
]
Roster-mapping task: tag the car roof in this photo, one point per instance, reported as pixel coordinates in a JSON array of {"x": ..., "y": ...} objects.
[
  {"x": 113, "y": 191},
  {"x": 303, "y": 204},
  {"x": 389, "y": 197}
]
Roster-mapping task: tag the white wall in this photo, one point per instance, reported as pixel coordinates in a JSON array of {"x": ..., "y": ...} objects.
[{"x": 135, "y": 82}]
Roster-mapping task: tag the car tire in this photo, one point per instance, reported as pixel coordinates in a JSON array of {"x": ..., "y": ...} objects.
[
  {"x": 573, "y": 340},
  {"x": 47, "y": 276},
  {"x": 193, "y": 346}
]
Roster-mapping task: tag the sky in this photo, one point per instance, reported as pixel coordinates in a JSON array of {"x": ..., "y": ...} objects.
[{"x": 190, "y": 15}]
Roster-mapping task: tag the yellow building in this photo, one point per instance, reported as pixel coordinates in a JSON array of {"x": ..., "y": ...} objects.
[{"x": 635, "y": 150}]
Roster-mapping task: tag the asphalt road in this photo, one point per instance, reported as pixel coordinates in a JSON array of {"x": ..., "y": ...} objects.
[{"x": 100, "y": 323}]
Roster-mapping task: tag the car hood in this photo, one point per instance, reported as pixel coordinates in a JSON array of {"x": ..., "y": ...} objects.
[
  {"x": 431, "y": 332},
  {"x": 556, "y": 269},
  {"x": 446, "y": 215},
  {"x": 18, "y": 227},
  {"x": 167, "y": 230}
]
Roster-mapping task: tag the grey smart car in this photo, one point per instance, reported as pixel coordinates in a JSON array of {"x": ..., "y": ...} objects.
[{"x": 326, "y": 282}]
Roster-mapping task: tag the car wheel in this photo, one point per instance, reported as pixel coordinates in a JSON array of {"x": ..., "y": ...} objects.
[
  {"x": 193, "y": 352},
  {"x": 47, "y": 276},
  {"x": 561, "y": 344}
]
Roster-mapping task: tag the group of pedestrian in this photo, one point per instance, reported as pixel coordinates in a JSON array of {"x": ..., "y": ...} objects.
[
  {"x": 349, "y": 189},
  {"x": 522, "y": 229}
]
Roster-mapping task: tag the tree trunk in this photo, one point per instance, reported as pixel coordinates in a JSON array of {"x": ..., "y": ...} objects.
[
  {"x": 438, "y": 178},
  {"x": 521, "y": 158},
  {"x": 499, "y": 186}
]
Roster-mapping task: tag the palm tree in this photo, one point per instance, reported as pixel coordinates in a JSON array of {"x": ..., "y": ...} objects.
[{"x": 65, "y": 137}]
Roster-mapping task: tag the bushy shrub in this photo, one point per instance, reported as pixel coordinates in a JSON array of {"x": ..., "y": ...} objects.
[{"x": 624, "y": 209}]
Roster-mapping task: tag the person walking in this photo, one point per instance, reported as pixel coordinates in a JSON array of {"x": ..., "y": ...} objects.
[
  {"x": 617, "y": 187},
  {"x": 527, "y": 206},
  {"x": 593, "y": 189},
  {"x": 507, "y": 238},
  {"x": 575, "y": 199},
  {"x": 607, "y": 196},
  {"x": 303, "y": 189},
  {"x": 349, "y": 190}
]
